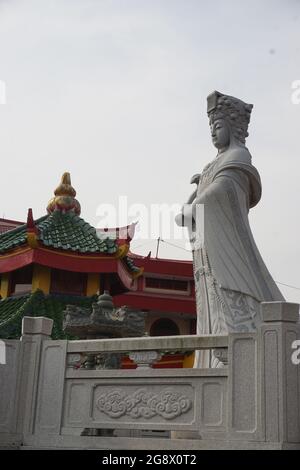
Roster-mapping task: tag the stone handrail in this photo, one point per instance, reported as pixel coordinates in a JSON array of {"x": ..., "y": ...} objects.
[
  {"x": 158, "y": 343},
  {"x": 252, "y": 402}
]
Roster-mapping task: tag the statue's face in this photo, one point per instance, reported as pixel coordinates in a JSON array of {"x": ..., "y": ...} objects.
[{"x": 220, "y": 134}]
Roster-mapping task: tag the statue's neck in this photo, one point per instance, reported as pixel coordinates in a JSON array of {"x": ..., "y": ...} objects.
[
  {"x": 221, "y": 151},
  {"x": 232, "y": 146}
]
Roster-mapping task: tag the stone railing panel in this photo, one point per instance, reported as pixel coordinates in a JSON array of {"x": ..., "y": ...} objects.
[{"x": 146, "y": 399}]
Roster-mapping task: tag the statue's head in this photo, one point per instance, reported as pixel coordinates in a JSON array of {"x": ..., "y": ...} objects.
[{"x": 229, "y": 118}]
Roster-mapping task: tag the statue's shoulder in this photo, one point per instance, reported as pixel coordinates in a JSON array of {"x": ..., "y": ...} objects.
[
  {"x": 238, "y": 155},
  {"x": 239, "y": 158}
]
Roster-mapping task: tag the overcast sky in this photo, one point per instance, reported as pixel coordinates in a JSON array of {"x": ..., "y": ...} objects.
[{"x": 114, "y": 91}]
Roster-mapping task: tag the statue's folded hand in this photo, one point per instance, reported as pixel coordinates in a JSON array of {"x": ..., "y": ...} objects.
[
  {"x": 184, "y": 218},
  {"x": 195, "y": 178}
]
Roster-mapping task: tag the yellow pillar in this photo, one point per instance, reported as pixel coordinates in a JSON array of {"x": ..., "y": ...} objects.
[
  {"x": 188, "y": 361},
  {"x": 41, "y": 278},
  {"x": 4, "y": 290},
  {"x": 93, "y": 284}
]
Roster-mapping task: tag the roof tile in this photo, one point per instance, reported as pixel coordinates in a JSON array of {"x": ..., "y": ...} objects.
[
  {"x": 65, "y": 231},
  {"x": 13, "y": 309}
]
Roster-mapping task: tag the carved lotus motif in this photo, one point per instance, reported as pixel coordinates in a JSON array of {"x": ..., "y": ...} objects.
[{"x": 143, "y": 403}]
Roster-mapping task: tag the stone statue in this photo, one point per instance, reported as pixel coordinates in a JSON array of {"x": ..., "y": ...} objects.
[{"x": 230, "y": 276}]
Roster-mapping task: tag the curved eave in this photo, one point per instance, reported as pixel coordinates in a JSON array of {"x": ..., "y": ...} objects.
[
  {"x": 121, "y": 234},
  {"x": 163, "y": 266},
  {"x": 76, "y": 262}
]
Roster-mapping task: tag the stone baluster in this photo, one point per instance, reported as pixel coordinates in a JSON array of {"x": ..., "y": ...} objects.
[{"x": 145, "y": 359}]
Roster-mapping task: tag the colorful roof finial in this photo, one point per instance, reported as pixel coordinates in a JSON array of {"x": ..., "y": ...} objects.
[
  {"x": 64, "y": 199},
  {"x": 30, "y": 221},
  {"x": 32, "y": 230}
]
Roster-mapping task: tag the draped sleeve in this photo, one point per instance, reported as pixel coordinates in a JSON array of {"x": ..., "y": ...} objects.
[{"x": 235, "y": 261}]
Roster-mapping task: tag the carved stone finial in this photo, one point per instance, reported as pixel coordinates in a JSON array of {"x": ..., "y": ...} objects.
[{"x": 64, "y": 197}]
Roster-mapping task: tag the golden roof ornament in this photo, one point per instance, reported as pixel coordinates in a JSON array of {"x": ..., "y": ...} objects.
[{"x": 64, "y": 197}]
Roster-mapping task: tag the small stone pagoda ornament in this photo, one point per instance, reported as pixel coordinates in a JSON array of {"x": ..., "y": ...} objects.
[
  {"x": 104, "y": 320},
  {"x": 230, "y": 276}
]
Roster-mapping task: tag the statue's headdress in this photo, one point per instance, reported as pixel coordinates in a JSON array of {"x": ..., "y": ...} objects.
[{"x": 236, "y": 112}]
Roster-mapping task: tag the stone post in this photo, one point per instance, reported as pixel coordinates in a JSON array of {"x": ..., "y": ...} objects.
[
  {"x": 279, "y": 379},
  {"x": 35, "y": 330},
  {"x": 243, "y": 394}
]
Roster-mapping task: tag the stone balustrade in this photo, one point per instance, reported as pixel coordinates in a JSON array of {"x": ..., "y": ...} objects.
[{"x": 48, "y": 400}]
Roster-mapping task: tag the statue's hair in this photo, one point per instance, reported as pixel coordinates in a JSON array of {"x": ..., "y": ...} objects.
[{"x": 234, "y": 111}]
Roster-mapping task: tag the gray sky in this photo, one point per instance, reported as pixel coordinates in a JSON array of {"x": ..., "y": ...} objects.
[{"x": 115, "y": 92}]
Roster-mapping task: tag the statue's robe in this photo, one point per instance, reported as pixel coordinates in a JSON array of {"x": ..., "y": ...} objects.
[{"x": 230, "y": 276}]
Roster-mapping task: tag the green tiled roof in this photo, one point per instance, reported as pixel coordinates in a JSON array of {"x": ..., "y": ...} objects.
[
  {"x": 68, "y": 231},
  {"x": 12, "y": 238},
  {"x": 11, "y": 305},
  {"x": 130, "y": 265},
  {"x": 65, "y": 231},
  {"x": 13, "y": 309}
]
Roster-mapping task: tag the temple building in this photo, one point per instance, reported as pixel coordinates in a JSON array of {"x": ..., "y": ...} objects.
[
  {"x": 6, "y": 224},
  {"x": 60, "y": 259}
]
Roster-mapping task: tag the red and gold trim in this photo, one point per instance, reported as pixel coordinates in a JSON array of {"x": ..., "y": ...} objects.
[{"x": 77, "y": 262}]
